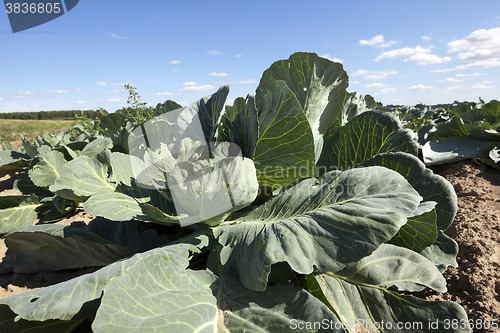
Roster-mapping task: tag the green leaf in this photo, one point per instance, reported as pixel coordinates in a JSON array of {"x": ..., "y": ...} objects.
[
  {"x": 166, "y": 107},
  {"x": 319, "y": 86},
  {"x": 209, "y": 194},
  {"x": 285, "y": 149},
  {"x": 360, "y": 305},
  {"x": 12, "y": 161},
  {"x": 358, "y": 294},
  {"x": 48, "y": 248},
  {"x": 157, "y": 293},
  {"x": 114, "y": 206},
  {"x": 455, "y": 149},
  {"x": 430, "y": 186},
  {"x": 443, "y": 252},
  {"x": 116, "y": 127},
  {"x": 84, "y": 176},
  {"x": 97, "y": 146},
  {"x": 45, "y": 172},
  {"x": 241, "y": 125},
  {"x": 64, "y": 300},
  {"x": 203, "y": 115},
  {"x": 281, "y": 308},
  {"x": 420, "y": 231},
  {"x": 24, "y": 185},
  {"x": 17, "y": 211},
  {"x": 326, "y": 223},
  {"x": 9, "y": 324},
  {"x": 355, "y": 105},
  {"x": 454, "y": 127},
  {"x": 369, "y": 134}
]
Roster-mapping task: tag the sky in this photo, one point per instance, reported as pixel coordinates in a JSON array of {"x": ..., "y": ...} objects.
[{"x": 400, "y": 52}]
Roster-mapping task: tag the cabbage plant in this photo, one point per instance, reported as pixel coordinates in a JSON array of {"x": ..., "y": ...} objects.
[{"x": 295, "y": 209}]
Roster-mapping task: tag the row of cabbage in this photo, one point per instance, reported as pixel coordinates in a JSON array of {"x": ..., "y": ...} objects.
[{"x": 293, "y": 207}]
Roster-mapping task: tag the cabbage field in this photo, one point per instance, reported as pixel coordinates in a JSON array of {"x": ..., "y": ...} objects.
[{"x": 302, "y": 208}]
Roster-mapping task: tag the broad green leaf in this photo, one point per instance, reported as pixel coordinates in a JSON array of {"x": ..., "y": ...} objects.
[
  {"x": 430, "y": 186},
  {"x": 358, "y": 294},
  {"x": 208, "y": 194},
  {"x": 420, "y": 231},
  {"x": 158, "y": 294},
  {"x": 29, "y": 148},
  {"x": 285, "y": 149},
  {"x": 326, "y": 223},
  {"x": 113, "y": 206},
  {"x": 45, "y": 172},
  {"x": 369, "y": 134},
  {"x": 24, "y": 185},
  {"x": 9, "y": 324},
  {"x": 127, "y": 234},
  {"x": 355, "y": 105},
  {"x": 281, "y": 308},
  {"x": 48, "y": 248},
  {"x": 495, "y": 154},
  {"x": 167, "y": 106},
  {"x": 488, "y": 112},
  {"x": 97, "y": 146},
  {"x": 84, "y": 176},
  {"x": 12, "y": 161},
  {"x": 454, "y": 127},
  {"x": 200, "y": 120},
  {"x": 455, "y": 149},
  {"x": 319, "y": 86},
  {"x": 241, "y": 125},
  {"x": 116, "y": 127},
  {"x": 64, "y": 300},
  {"x": 361, "y": 305},
  {"x": 17, "y": 211},
  {"x": 443, "y": 252}
]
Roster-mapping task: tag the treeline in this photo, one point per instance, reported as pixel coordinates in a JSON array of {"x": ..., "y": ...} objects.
[{"x": 52, "y": 115}]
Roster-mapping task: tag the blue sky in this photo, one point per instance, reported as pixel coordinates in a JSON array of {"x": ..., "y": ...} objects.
[{"x": 400, "y": 52}]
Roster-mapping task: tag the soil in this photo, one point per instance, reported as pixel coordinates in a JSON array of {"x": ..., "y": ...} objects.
[{"x": 474, "y": 284}]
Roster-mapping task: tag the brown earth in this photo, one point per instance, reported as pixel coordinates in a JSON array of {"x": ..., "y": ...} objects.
[{"x": 474, "y": 284}]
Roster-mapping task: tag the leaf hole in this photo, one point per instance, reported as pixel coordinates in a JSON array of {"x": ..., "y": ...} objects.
[{"x": 34, "y": 299}]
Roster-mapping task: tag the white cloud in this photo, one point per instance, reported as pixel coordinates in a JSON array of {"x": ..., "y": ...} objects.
[
  {"x": 482, "y": 85},
  {"x": 58, "y": 91},
  {"x": 80, "y": 102},
  {"x": 426, "y": 38},
  {"x": 375, "y": 85},
  {"x": 425, "y": 59},
  {"x": 114, "y": 100},
  {"x": 247, "y": 81},
  {"x": 451, "y": 80},
  {"x": 481, "y": 44},
  {"x": 455, "y": 87},
  {"x": 327, "y": 56},
  {"x": 102, "y": 84},
  {"x": 120, "y": 84},
  {"x": 175, "y": 62},
  {"x": 218, "y": 74},
  {"x": 373, "y": 75},
  {"x": 165, "y": 93},
  {"x": 112, "y": 92},
  {"x": 189, "y": 83},
  {"x": 419, "y": 87},
  {"x": 26, "y": 93},
  {"x": 473, "y": 74},
  {"x": 79, "y": 90},
  {"x": 377, "y": 41},
  {"x": 388, "y": 90},
  {"x": 214, "y": 52},
  {"x": 198, "y": 88},
  {"x": 353, "y": 82},
  {"x": 115, "y": 36},
  {"x": 238, "y": 56},
  {"x": 403, "y": 52},
  {"x": 473, "y": 65},
  {"x": 2, "y": 99}
]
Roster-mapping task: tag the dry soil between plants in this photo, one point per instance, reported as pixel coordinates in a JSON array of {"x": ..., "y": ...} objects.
[{"x": 474, "y": 284}]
